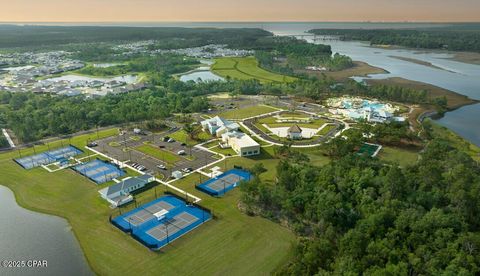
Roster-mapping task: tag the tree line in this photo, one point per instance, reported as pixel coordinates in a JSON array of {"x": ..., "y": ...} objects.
[
  {"x": 32, "y": 117},
  {"x": 455, "y": 38},
  {"x": 168, "y": 37},
  {"x": 357, "y": 215},
  {"x": 284, "y": 55}
]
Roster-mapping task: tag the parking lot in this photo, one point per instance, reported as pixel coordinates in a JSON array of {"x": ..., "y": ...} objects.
[{"x": 164, "y": 157}]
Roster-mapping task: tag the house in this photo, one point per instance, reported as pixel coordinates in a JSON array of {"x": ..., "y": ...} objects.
[
  {"x": 218, "y": 126},
  {"x": 295, "y": 132},
  {"x": 241, "y": 143},
  {"x": 119, "y": 193}
]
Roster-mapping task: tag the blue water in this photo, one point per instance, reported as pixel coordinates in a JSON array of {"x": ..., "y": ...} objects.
[
  {"x": 456, "y": 76},
  {"x": 204, "y": 76}
]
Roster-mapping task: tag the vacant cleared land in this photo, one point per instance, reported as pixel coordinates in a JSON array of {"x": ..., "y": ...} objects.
[
  {"x": 233, "y": 244},
  {"x": 246, "y": 68}
]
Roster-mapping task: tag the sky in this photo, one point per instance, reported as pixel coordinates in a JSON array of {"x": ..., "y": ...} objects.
[{"x": 243, "y": 10}]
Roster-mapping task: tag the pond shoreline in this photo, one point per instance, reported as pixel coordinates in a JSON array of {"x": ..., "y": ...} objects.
[{"x": 41, "y": 212}]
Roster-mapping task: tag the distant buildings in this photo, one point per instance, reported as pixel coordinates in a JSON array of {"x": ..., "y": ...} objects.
[
  {"x": 363, "y": 109},
  {"x": 46, "y": 65}
]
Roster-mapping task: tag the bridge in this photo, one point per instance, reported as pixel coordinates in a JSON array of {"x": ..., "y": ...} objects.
[{"x": 316, "y": 38}]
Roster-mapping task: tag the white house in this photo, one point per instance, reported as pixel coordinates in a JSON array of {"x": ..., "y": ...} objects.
[
  {"x": 218, "y": 126},
  {"x": 119, "y": 193},
  {"x": 295, "y": 132},
  {"x": 241, "y": 143}
]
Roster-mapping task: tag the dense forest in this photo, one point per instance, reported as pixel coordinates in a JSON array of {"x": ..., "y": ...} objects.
[
  {"x": 3, "y": 142},
  {"x": 358, "y": 216},
  {"x": 32, "y": 117},
  {"x": 175, "y": 37},
  {"x": 285, "y": 54},
  {"x": 455, "y": 38}
]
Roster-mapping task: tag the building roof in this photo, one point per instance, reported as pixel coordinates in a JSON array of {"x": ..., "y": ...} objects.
[
  {"x": 241, "y": 139},
  {"x": 218, "y": 121},
  {"x": 295, "y": 129},
  {"x": 127, "y": 183}
]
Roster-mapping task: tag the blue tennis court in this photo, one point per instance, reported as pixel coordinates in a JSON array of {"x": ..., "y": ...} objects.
[
  {"x": 48, "y": 157},
  {"x": 161, "y": 221},
  {"x": 225, "y": 182},
  {"x": 99, "y": 171}
]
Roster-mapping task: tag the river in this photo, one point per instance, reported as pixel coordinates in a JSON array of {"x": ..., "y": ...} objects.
[
  {"x": 27, "y": 235},
  {"x": 456, "y": 76}
]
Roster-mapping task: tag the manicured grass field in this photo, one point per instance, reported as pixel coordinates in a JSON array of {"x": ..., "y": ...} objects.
[
  {"x": 163, "y": 155},
  {"x": 246, "y": 68},
  {"x": 273, "y": 121},
  {"x": 403, "y": 157},
  {"x": 247, "y": 112},
  {"x": 182, "y": 137},
  {"x": 233, "y": 244},
  {"x": 228, "y": 151},
  {"x": 326, "y": 129}
]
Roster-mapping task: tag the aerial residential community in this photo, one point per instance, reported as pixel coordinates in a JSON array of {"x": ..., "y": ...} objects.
[{"x": 145, "y": 147}]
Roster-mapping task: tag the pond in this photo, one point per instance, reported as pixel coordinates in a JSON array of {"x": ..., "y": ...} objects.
[
  {"x": 201, "y": 75},
  {"x": 27, "y": 235}
]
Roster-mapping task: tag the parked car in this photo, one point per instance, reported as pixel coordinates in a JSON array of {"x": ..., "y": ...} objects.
[
  {"x": 171, "y": 140},
  {"x": 92, "y": 144},
  {"x": 181, "y": 152},
  {"x": 161, "y": 167}
]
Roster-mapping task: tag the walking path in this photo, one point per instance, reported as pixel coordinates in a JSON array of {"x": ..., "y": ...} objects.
[
  {"x": 9, "y": 140},
  {"x": 124, "y": 164}
]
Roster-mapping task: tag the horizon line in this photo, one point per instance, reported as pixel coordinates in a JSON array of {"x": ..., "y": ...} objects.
[{"x": 249, "y": 21}]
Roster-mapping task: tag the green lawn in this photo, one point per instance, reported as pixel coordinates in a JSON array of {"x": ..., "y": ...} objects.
[
  {"x": 233, "y": 244},
  {"x": 160, "y": 154},
  {"x": 182, "y": 137},
  {"x": 326, "y": 130},
  {"x": 273, "y": 121},
  {"x": 228, "y": 151},
  {"x": 403, "y": 157},
  {"x": 247, "y": 112},
  {"x": 211, "y": 144},
  {"x": 246, "y": 68}
]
